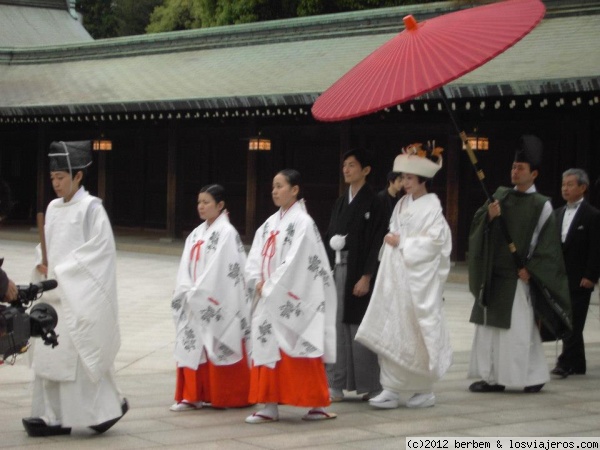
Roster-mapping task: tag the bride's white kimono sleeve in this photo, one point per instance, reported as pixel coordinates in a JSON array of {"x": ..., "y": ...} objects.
[
  {"x": 404, "y": 321},
  {"x": 296, "y": 311},
  {"x": 210, "y": 304}
]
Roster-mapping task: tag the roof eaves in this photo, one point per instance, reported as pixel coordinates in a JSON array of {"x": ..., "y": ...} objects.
[
  {"x": 453, "y": 92},
  {"x": 165, "y": 106}
]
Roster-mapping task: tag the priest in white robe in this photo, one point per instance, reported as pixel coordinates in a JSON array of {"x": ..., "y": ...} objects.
[{"x": 74, "y": 384}]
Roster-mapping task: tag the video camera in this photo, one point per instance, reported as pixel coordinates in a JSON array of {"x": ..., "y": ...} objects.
[{"x": 16, "y": 326}]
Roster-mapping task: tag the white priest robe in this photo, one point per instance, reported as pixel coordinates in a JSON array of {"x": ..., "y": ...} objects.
[
  {"x": 210, "y": 303},
  {"x": 74, "y": 382},
  {"x": 296, "y": 311},
  {"x": 404, "y": 323}
]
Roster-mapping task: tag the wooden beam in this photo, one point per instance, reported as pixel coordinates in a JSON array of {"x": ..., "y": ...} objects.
[
  {"x": 171, "y": 180},
  {"x": 452, "y": 163},
  {"x": 42, "y": 168},
  {"x": 250, "y": 195}
]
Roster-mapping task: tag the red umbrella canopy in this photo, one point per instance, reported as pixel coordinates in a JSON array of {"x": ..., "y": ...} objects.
[{"x": 428, "y": 55}]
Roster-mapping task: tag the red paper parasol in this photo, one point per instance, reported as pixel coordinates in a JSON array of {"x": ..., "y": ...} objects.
[
  {"x": 428, "y": 55},
  {"x": 424, "y": 57}
]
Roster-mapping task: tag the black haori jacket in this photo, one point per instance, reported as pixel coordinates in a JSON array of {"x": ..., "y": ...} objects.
[{"x": 363, "y": 223}]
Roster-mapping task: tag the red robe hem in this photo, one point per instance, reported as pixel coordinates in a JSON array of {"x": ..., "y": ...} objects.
[{"x": 293, "y": 381}]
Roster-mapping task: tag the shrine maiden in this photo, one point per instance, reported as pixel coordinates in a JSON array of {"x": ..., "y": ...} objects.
[
  {"x": 211, "y": 312},
  {"x": 293, "y": 323}
]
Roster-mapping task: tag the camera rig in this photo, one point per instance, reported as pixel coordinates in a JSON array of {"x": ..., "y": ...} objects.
[{"x": 17, "y": 326}]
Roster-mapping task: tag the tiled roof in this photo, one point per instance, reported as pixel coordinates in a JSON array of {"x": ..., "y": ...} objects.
[
  {"x": 28, "y": 24},
  {"x": 56, "y": 4},
  {"x": 288, "y": 62}
]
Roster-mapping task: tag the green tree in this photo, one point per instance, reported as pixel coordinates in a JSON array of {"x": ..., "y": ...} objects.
[
  {"x": 98, "y": 17},
  {"x": 113, "y": 18},
  {"x": 175, "y": 15},
  {"x": 133, "y": 16},
  {"x": 186, "y": 14}
]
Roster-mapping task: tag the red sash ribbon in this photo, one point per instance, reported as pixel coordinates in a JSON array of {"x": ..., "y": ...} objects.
[
  {"x": 268, "y": 252},
  {"x": 195, "y": 255}
]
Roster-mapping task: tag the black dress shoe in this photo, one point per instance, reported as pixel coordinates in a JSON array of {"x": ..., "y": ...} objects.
[
  {"x": 482, "y": 386},
  {"x": 561, "y": 372},
  {"x": 36, "y": 427},
  {"x": 104, "y": 426},
  {"x": 533, "y": 389}
]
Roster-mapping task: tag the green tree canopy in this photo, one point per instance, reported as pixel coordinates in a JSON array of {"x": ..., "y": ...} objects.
[
  {"x": 111, "y": 18},
  {"x": 133, "y": 16},
  {"x": 187, "y": 14},
  {"x": 98, "y": 18}
]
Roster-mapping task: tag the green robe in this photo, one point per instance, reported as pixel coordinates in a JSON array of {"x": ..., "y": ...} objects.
[{"x": 492, "y": 270}]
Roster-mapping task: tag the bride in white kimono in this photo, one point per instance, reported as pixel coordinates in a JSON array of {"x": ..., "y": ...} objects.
[
  {"x": 211, "y": 312},
  {"x": 404, "y": 323},
  {"x": 293, "y": 323}
]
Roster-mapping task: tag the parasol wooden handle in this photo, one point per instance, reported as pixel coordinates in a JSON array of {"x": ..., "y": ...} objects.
[{"x": 40, "y": 226}]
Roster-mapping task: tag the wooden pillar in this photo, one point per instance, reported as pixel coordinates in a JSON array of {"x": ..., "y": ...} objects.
[
  {"x": 102, "y": 176},
  {"x": 345, "y": 145},
  {"x": 42, "y": 168},
  {"x": 452, "y": 167},
  {"x": 171, "y": 180},
  {"x": 583, "y": 140},
  {"x": 250, "y": 194}
]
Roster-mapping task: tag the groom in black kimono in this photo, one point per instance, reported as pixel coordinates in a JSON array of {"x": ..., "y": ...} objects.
[{"x": 355, "y": 235}]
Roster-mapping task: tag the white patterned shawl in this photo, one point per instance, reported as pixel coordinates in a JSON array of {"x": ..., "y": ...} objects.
[
  {"x": 296, "y": 312},
  {"x": 210, "y": 304}
]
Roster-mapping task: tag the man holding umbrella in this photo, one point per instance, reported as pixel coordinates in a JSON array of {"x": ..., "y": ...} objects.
[{"x": 507, "y": 348}]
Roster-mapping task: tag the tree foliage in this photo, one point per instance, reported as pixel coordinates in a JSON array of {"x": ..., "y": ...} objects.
[
  {"x": 111, "y": 18},
  {"x": 133, "y": 16},
  {"x": 98, "y": 17},
  {"x": 186, "y": 14}
]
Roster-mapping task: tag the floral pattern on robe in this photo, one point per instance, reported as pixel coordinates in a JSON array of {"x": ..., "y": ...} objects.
[
  {"x": 296, "y": 311},
  {"x": 210, "y": 305}
]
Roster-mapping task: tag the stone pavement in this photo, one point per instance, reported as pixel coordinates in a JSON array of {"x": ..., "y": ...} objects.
[{"x": 145, "y": 374}]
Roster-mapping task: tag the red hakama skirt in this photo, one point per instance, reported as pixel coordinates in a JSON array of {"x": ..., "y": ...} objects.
[
  {"x": 293, "y": 381},
  {"x": 222, "y": 386}
]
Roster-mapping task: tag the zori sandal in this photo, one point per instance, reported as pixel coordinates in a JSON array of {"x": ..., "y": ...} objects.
[
  {"x": 258, "y": 417},
  {"x": 318, "y": 414}
]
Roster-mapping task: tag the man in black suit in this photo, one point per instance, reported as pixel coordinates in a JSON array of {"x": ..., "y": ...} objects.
[
  {"x": 579, "y": 225},
  {"x": 390, "y": 195}
]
